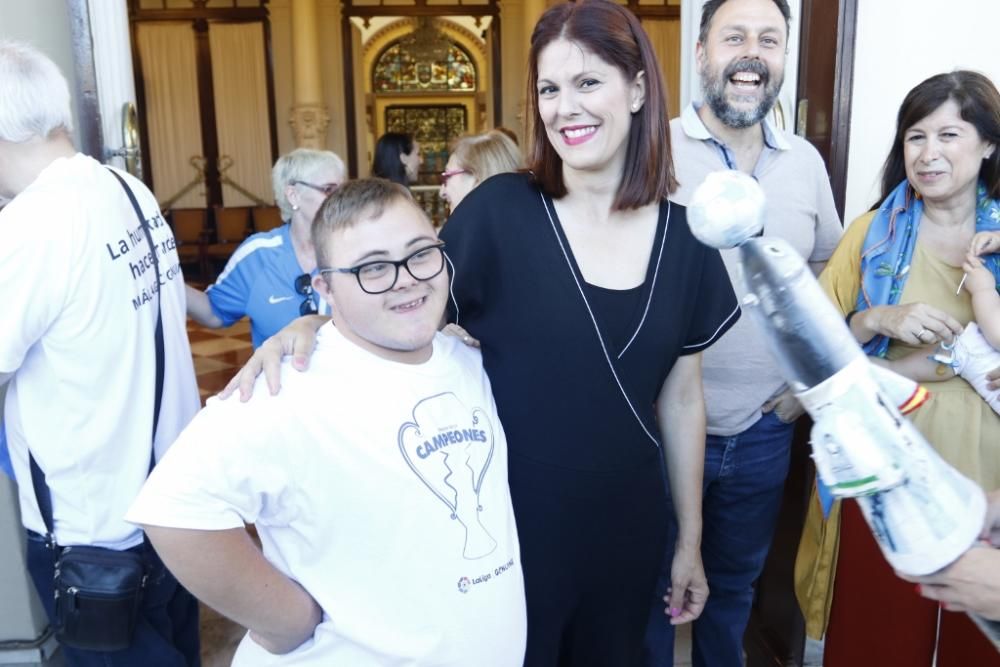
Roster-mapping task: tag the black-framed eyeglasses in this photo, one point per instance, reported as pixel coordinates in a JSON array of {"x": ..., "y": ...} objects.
[
  {"x": 381, "y": 275},
  {"x": 326, "y": 188},
  {"x": 303, "y": 286}
]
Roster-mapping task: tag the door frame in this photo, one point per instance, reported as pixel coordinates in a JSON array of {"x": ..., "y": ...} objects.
[{"x": 419, "y": 8}]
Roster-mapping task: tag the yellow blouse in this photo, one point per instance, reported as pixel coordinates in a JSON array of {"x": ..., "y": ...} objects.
[{"x": 959, "y": 424}]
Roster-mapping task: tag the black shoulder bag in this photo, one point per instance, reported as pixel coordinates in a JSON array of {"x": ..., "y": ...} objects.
[{"x": 98, "y": 591}]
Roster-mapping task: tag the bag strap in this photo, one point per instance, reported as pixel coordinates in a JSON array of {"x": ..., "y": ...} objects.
[
  {"x": 43, "y": 495},
  {"x": 160, "y": 355}
]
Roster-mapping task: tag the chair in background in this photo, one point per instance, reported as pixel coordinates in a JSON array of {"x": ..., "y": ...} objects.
[
  {"x": 266, "y": 218},
  {"x": 232, "y": 226},
  {"x": 191, "y": 235}
]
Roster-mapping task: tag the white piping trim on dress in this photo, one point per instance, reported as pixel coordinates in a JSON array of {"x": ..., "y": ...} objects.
[
  {"x": 593, "y": 320},
  {"x": 652, "y": 288},
  {"x": 714, "y": 333},
  {"x": 451, "y": 286}
]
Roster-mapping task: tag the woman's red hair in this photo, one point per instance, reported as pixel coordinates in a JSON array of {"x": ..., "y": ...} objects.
[{"x": 614, "y": 34}]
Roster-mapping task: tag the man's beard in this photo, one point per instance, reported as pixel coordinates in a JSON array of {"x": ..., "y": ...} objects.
[{"x": 713, "y": 88}]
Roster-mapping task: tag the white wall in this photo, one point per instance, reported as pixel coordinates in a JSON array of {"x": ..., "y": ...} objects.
[
  {"x": 897, "y": 48},
  {"x": 690, "y": 81},
  {"x": 45, "y": 25}
]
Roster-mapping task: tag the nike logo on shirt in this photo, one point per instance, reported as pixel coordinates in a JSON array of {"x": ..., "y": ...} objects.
[{"x": 278, "y": 299}]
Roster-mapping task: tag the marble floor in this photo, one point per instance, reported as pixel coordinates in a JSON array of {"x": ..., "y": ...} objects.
[{"x": 217, "y": 354}]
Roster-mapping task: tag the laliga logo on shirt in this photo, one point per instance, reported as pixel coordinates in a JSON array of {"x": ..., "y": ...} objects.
[
  {"x": 450, "y": 447},
  {"x": 464, "y": 585}
]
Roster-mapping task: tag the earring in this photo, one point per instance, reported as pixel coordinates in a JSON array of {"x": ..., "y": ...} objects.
[
  {"x": 294, "y": 207},
  {"x": 635, "y": 106}
]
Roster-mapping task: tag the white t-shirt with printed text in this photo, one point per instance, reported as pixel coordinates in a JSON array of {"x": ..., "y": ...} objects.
[
  {"x": 78, "y": 292},
  {"x": 381, "y": 488}
]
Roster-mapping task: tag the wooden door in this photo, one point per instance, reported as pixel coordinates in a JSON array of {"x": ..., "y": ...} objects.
[{"x": 826, "y": 73}]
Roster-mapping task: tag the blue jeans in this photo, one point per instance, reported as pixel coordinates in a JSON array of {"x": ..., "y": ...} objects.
[
  {"x": 744, "y": 481},
  {"x": 166, "y": 633}
]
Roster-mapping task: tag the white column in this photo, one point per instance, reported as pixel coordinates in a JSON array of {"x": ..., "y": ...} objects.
[
  {"x": 309, "y": 116},
  {"x": 113, "y": 69},
  {"x": 332, "y": 70}
]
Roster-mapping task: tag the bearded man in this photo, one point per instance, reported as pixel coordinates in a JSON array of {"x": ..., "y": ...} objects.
[{"x": 741, "y": 52}]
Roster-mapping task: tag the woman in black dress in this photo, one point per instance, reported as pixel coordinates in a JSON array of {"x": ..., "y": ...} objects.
[{"x": 592, "y": 301}]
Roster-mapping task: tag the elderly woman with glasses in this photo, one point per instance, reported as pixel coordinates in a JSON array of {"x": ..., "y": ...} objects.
[
  {"x": 473, "y": 160},
  {"x": 269, "y": 277}
]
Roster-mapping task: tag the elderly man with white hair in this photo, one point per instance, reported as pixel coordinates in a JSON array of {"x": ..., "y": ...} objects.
[{"x": 95, "y": 355}]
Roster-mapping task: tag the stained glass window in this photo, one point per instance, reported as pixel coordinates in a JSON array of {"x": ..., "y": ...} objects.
[
  {"x": 397, "y": 71},
  {"x": 434, "y": 127}
]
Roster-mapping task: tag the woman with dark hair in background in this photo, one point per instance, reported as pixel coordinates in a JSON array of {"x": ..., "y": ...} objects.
[
  {"x": 897, "y": 277},
  {"x": 397, "y": 158}
]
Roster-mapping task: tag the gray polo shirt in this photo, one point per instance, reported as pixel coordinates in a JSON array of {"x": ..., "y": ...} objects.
[{"x": 740, "y": 374}]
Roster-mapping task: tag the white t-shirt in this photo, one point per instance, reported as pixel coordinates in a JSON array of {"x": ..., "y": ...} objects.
[
  {"x": 381, "y": 488},
  {"x": 79, "y": 311}
]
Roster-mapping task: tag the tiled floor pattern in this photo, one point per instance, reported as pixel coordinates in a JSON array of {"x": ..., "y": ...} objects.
[{"x": 218, "y": 353}]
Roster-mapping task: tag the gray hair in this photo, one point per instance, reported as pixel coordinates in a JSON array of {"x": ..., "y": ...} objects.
[
  {"x": 488, "y": 154},
  {"x": 34, "y": 95},
  {"x": 300, "y": 165}
]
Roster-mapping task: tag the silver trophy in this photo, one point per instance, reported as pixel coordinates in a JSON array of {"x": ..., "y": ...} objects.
[{"x": 924, "y": 513}]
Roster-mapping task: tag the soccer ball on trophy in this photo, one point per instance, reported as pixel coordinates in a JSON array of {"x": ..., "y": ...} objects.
[{"x": 726, "y": 209}]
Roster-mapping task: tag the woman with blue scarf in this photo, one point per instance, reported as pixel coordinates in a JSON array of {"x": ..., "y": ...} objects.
[{"x": 896, "y": 276}]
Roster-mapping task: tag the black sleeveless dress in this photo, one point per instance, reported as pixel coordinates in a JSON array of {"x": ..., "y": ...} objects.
[{"x": 576, "y": 371}]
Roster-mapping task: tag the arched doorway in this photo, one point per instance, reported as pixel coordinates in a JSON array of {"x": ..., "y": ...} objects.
[
  {"x": 428, "y": 90},
  {"x": 428, "y": 77},
  {"x": 370, "y": 28}
]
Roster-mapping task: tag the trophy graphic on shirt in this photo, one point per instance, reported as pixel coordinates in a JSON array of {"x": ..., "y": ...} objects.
[{"x": 449, "y": 447}]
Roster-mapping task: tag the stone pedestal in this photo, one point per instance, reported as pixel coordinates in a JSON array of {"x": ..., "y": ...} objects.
[{"x": 309, "y": 123}]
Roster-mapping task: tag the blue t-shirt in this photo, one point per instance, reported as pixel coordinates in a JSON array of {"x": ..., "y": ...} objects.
[
  {"x": 259, "y": 282},
  {"x": 5, "y": 465}
]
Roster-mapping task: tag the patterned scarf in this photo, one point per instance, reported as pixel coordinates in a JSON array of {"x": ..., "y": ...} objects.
[
  {"x": 888, "y": 250},
  {"x": 885, "y": 264}
]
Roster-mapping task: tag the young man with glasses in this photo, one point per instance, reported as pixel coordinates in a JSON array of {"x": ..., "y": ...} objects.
[{"x": 377, "y": 482}]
